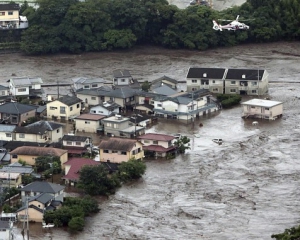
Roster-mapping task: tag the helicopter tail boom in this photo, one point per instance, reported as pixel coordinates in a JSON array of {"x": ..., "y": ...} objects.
[{"x": 216, "y": 26}]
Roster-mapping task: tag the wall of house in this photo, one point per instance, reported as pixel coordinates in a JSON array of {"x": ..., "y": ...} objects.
[
  {"x": 114, "y": 127},
  {"x": 148, "y": 142},
  {"x": 6, "y": 136},
  {"x": 37, "y": 204},
  {"x": 55, "y": 135},
  {"x": 33, "y": 214},
  {"x": 29, "y": 137},
  {"x": 87, "y": 125},
  {"x": 133, "y": 153},
  {"x": 119, "y": 101},
  {"x": 27, "y": 115},
  {"x": 13, "y": 182},
  {"x": 63, "y": 160},
  {"x": 4, "y": 92},
  {"x": 100, "y": 110},
  {"x": 276, "y": 110},
  {"x": 6, "y": 17},
  {"x": 5, "y": 234},
  {"x": 75, "y": 143},
  {"x": 67, "y": 168},
  {"x": 122, "y": 81},
  {"x": 53, "y": 110},
  {"x": 59, "y": 196},
  {"x": 89, "y": 100}
]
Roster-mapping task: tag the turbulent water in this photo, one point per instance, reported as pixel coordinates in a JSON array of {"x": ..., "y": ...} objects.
[{"x": 246, "y": 188}]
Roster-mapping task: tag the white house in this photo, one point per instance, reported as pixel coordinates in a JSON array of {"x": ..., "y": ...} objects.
[
  {"x": 4, "y": 91},
  {"x": 106, "y": 108},
  {"x": 122, "y": 78},
  {"x": 25, "y": 86},
  {"x": 6, "y": 230},
  {"x": 260, "y": 108},
  {"x": 89, "y": 123},
  {"x": 6, "y": 132},
  {"x": 89, "y": 83}
]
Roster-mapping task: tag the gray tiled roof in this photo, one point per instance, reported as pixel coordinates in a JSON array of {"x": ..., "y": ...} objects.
[
  {"x": 101, "y": 91},
  {"x": 16, "y": 108},
  {"x": 7, "y": 128},
  {"x": 172, "y": 80},
  {"x": 6, "y": 7},
  {"x": 121, "y": 73},
  {"x": 123, "y": 92},
  {"x": 3, "y": 87},
  {"x": 74, "y": 138},
  {"x": 88, "y": 80},
  {"x": 68, "y": 100},
  {"x": 21, "y": 169},
  {"x": 164, "y": 90},
  {"x": 42, "y": 198},
  {"x": 43, "y": 187},
  {"x": 26, "y": 81},
  {"x": 40, "y": 127}
]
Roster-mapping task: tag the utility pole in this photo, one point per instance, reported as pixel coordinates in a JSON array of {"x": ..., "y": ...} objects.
[{"x": 57, "y": 89}]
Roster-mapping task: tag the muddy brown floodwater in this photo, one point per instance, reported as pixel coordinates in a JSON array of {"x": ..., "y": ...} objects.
[{"x": 246, "y": 188}]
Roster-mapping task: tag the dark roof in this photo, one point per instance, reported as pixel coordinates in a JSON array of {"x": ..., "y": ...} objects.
[
  {"x": 244, "y": 74},
  {"x": 11, "y": 145},
  {"x": 3, "y": 87},
  {"x": 68, "y": 100},
  {"x": 156, "y": 136},
  {"x": 139, "y": 118},
  {"x": 38, "y": 151},
  {"x": 111, "y": 167},
  {"x": 40, "y": 127},
  {"x": 76, "y": 164},
  {"x": 172, "y": 80},
  {"x": 164, "y": 90},
  {"x": 43, "y": 187},
  {"x": 41, "y": 109},
  {"x": 122, "y": 92},
  {"x": 42, "y": 198},
  {"x": 6, "y": 7},
  {"x": 101, "y": 91},
  {"x": 209, "y": 73},
  {"x": 4, "y": 224},
  {"x": 74, "y": 138},
  {"x": 119, "y": 144},
  {"x": 16, "y": 108},
  {"x": 121, "y": 73}
]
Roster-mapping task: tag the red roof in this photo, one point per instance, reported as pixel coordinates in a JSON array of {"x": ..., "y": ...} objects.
[
  {"x": 157, "y": 148},
  {"x": 157, "y": 137},
  {"x": 90, "y": 116},
  {"x": 76, "y": 165}
]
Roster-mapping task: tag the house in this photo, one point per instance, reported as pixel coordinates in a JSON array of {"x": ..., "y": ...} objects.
[
  {"x": 40, "y": 132},
  {"x": 72, "y": 169},
  {"x": 246, "y": 81},
  {"x": 6, "y": 230},
  {"x": 64, "y": 108},
  {"x": 120, "y": 126},
  {"x": 4, "y": 92},
  {"x": 10, "y": 179},
  {"x": 145, "y": 102},
  {"x": 4, "y": 156},
  {"x": 163, "y": 90},
  {"x": 164, "y": 80},
  {"x": 16, "y": 113},
  {"x": 26, "y": 86},
  {"x": 142, "y": 120},
  {"x": 88, "y": 83},
  {"x": 211, "y": 79},
  {"x": 260, "y": 108},
  {"x": 89, "y": 123},
  {"x": 123, "y": 78},
  {"x": 6, "y": 132},
  {"x": 106, "y": 108},
  {"x": 76, "y": 144},
  {"x": 41, "y": 112},
  {"x": 11, "y": 145},
  {"x": 10, "y": 17},
  {"x": 185, "y": 106},
  {"x": 18, "y": 168},
  {"x": 37, "y": 206},
  {"x": 93, "y": 97},
  {"x": 117, "y": 150},
  {"x": 28, "y": 154},
  {"x": 159, "y": 144}
]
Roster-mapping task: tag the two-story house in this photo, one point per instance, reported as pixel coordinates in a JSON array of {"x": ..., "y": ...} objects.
[
  {"x": 10, "y": 179},
  {"x": 159, "y": 144},
  {"x": 76, "y": 144},
  {"x": 26, "y": 86},
  {"x": 4, "y": 92},
  {"x": 15, "y": 113},
  {"x": 9, "y": 16},
  {"x": 106, "y": 108},
  {"x": 211, "y": 79},
  {"x": 185, "y": 106},
  {"x": 145, "y": 102},
  {"x": 93, "y": 97},
  {"x": 119, "y": 150},
  {"x": 123, "y": 78},
  {"x": 88, "y": 122},
  {"x": 64, "y": 108},
  {"x": 246, "y": 81},
  {"x": 40, "y": 132},
  {"x": 121, "y": 126},
  {"x": 89, "y": 83},
  {"x": 6, "y": 132},
  {"x": 261, "y": 108},
  {"x": 164, "y": 80},
  {"x": 28, "y": 154}
]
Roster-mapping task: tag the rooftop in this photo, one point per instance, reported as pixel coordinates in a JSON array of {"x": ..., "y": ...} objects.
[
  {"x": 121, "y": 73},
  {"x": 206, "y": 73},
  {"x": 40, "y": 127},
  {"x": 38, "y": 151},
  {"x": 90, "y": 116},
  {"x": 157, "y": 137},
  {"x": 43, "y": 187},
  {"x": 26, "y": 81},
  {"x": 261, "y": 103},
  {"x": 75, "y": 138},
  {"x": 68, "y": 100},
  {"x": 16, "y": 108},
  {"x": 120, "y": 144}
]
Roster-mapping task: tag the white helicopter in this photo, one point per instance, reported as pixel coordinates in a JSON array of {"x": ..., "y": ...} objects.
[{"x": 233, "y": 26}]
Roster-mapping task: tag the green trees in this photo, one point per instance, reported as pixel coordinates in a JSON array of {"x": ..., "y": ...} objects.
[
  {"x": 288, "y": 234},
  {"x": 146, "y": 86},
  {"x": 133, "y": 169},
  {"x": 182, "y": 144},
  {"x": 229, "y": 100}
]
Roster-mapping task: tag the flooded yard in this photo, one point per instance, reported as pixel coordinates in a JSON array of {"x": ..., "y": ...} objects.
[{"x": 246, "y": 188}]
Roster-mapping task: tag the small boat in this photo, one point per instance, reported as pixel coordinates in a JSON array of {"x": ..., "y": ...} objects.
[
  {"x": 218, "y": 141},
  {"x": 49, "y": 225}
]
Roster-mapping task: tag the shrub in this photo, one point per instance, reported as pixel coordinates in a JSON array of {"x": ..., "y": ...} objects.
[{"x": 76, "y": 224}]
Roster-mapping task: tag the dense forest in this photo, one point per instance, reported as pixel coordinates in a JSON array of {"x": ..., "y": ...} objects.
[{"x": 96, "y": 25}]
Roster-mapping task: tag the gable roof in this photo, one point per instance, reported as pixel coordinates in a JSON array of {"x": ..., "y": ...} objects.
[
  {"x": 3, "y": 87},
  {"x": 109, "y": 105},
  {"x": 122, "y": 92},
  {"x": 16, "y": 108},
  {"x": 101, "y": 91},
  {"x": 74, "y": 138},
  {"x": 69, "y": 100},
  {"x": 38, "y": 151},
  {"x": 164, "y": 90},
  {"x": 261, "y": 103},
  {"x": 43, "y": 187},
  {"x": 11, "y": 145},
  {"x": 76, "y": 164},
  {"x": 6, "y": 7},
  {"x": 121, "y": 73},
  {"x": 26, "y": 81},
  {"x": 40, "y": 127},
  {"x": 7, "y": 128},
  {"x": 245, "y": 74},
  {"x": 86, "y": 80},
  {"x": 17, "y": 169},
  {"x": 214, "y": 73},
  {"x": 157, "y": 137},
  {"x": 164, "y": 77},
  {"x": 119, "y": 144},
  {"x": 42, "y": 198}
]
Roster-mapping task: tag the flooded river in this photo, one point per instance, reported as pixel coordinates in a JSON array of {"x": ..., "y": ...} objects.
[{"x": 246, "y": 188}]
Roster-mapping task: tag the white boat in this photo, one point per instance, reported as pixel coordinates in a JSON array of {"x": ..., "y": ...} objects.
[
  {"x": 49, "y": 225},
  {"x": 218, "y": 140}
]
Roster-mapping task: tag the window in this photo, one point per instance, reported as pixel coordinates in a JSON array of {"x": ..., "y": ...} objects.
[
  {"x": 254, "y": 83},
  {"x": 232, "y": 82},
  {"x": 215, "y": 90},
  {"x": 21, "y": 89},
  {"x": 53, "y": 108},
  {"x": 194, "y": 89},
  {"x": 86, "y": 86},
  {"x": 78, "y": 143},
  {"x": 213, "y": 81},
  {"x": 114, "y": 151},
  {"x": 78, "y": 105},
  {"x": 108, "y": 124},
  {"x": 2, "y": 13},
  {"x": 71, "y": 108},
  {"x": 194, "y": 81},
  {"x": 232, "y": 90},
  {"x": 87, "y": 122},
  {"x": 8, "y": 134},
  {"x": 146, "y": 141},
  {"x": 159, "y": 105},
  {"x": 10, "y": 13},
  {"x": 63, "y": 110},
  {"x": 112, "y": 99},
  {"x": 100, "y": 111},
  {"x": 21, "y": 135},
  {"x": 122, "y": 80},
  {"x": 267, "y": 109},
  {"x": 106, "y": 151},
  {"x": 139, "y": 150},
  {"x": 3, "y": 92},
  {"x": 155, "y": 142},
  {"x": 69, "y": 143},
  {"x": 253, "y": 91},
  {"x": 123, "y": 153},
  {"x": 14, "y": 156},
  {"x": 93, "y": 98},
  {"x": 94, "y": 85},
  {"x": 116, "y": 125},
  {"x": 57, "y": 131}
]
